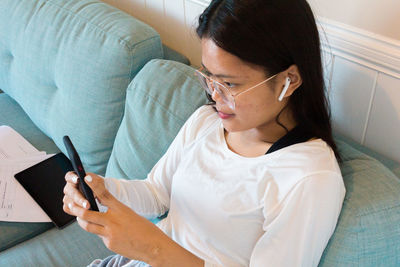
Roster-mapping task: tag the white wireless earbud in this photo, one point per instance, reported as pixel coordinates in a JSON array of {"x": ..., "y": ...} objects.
[{"x": 284, "y": 89}]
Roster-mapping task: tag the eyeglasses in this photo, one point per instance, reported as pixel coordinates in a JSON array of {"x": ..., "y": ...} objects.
[{"x": 226, "y": 95}]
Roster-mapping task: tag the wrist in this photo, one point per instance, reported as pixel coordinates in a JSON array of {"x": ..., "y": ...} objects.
[{"x": 167, "y": 252}]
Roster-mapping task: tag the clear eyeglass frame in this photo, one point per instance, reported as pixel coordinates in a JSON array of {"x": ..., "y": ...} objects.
[{"x": 210, "y": 86}]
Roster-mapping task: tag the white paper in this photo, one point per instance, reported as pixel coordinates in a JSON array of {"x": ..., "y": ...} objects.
[
  {"x": 17, "y": 154},
  {"x": 13, "y": 145}
]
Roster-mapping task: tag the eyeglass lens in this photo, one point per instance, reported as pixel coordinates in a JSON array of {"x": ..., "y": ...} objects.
[{"x": 210, "y": 85}]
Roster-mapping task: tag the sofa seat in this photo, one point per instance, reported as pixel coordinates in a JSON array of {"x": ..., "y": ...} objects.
[{"x": 70, "y": 247}]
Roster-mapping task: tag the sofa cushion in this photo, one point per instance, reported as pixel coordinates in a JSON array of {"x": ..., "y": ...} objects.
[
  {"x": 14, "y": 116},
  {"x": 159, "y": 100},
  {"x": 70, "y": 247},
  {"x": 368, "y": 230},
  {"x": 68, "y": 64},
  {"x": 390, "y": 164}
]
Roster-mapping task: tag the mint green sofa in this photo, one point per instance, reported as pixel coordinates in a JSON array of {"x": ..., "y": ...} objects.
[{"x": 83, "y": 68}]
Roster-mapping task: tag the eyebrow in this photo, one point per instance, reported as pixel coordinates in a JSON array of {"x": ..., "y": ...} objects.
[{"x": 217, "y": 75}]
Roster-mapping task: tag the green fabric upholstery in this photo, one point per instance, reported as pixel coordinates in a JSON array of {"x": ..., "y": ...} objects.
[
  {"x": 68, "y": 64},
  {"x": 70, "y": 247},
  {"x": 159, "y": 100},
  {"x": 390, "y": 164},
  {"x": 13, "y": 115},
  {"x": 368, "y": 230}
]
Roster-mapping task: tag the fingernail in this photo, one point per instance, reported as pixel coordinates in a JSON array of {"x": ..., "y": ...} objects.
[
  {"x": 74, "y": 179},
  {"x": 70, "y": 205},
  {"x": 88, "y": 178}
]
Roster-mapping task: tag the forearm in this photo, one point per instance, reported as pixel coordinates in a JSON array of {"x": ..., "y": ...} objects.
[
  {"x": 137, "y": 195},
  {"x": 164, "y": 252}
]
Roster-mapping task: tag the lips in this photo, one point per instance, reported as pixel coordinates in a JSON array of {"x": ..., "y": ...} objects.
[{"x": 224, "y": 115}]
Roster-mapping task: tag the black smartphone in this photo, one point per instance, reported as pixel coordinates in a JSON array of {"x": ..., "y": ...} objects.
[{"x": 80, "y": 171}]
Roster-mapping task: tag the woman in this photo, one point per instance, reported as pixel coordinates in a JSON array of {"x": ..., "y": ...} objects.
[{"x": 251, "y": 180}]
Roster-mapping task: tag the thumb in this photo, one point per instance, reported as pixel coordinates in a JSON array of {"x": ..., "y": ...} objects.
[{"x": 96, "y": 183}]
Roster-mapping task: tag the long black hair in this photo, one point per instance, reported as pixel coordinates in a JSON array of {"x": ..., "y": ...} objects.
[{"x": 276, "y": 34}]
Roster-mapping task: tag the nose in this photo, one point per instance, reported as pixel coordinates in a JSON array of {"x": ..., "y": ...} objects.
[{"x": 216, "y": 96}]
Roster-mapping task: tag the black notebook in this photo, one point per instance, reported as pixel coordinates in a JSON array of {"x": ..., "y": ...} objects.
[{"x": 45, "y": 182}]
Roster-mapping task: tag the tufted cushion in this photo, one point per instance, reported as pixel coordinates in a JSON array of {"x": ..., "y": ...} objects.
[
  {"x": 68, "y": 64},
  {"x": 159, "y": 100},
  {"x": 368, "y": 230},
  {"x": 14, "y": 116},
  {"x": 392, "y": 165}
]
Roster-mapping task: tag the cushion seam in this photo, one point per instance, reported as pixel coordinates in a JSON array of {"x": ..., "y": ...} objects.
[
  {"x": 86, "y": 20},
  {"x": 145, "y": 92}
]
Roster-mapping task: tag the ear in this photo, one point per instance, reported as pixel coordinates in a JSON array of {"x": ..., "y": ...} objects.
[{"x": 295, "y": 80}]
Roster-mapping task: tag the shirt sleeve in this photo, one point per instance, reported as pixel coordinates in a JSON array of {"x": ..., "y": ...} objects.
[
  {"x": 305, "y": 220},
  {"x": 151, "y": 197}
]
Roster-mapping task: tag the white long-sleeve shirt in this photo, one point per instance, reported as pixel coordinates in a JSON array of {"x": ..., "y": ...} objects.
[{"x": 278, "y": 209}]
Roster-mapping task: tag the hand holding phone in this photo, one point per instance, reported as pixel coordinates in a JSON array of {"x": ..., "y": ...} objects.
[{"x": 80, "y": 171}]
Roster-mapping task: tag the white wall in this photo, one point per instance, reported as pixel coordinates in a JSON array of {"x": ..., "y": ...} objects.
[
  {"x": 175, "y": 19},
  {"x": 378, "y": 16}
]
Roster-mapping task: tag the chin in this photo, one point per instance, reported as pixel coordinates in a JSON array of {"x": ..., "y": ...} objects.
[{"x": 230, "y": 127}]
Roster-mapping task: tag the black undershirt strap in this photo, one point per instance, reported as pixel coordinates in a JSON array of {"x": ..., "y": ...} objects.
[{"x": 298, "y": 134}]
